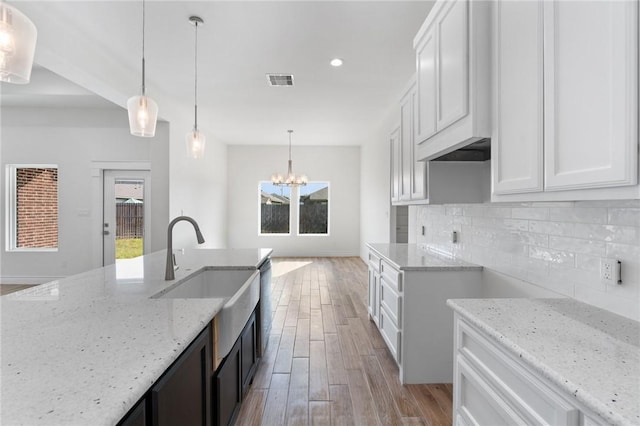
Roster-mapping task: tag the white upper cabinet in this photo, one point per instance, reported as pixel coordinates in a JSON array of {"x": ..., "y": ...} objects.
[
  {"x": 426, "y": 70},
  {"x": 396, "y": 165},
  {"x": 565, "y": 100},
  {"x": 406, "y": 142},
  {"x": 453, "y": 77},
  {"x": 408, "y": 175},
  {"x": 453, "y": 63},
  {"x": 517, "y": 140},
  {"x": 591, "y": 94}
]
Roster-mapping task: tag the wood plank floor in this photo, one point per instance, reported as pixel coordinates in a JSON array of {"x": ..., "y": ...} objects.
[
  {"x": 10, "y": 288},
  {"x": 326, "y": 363}
]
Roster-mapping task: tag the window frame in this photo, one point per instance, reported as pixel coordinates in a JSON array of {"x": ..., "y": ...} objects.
[
  {"x": 260, "y": 233},
  {"x": 328, "y": 233},
  {"x": 11, "y": 205}
]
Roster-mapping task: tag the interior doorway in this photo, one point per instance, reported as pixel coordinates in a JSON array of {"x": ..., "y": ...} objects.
[
  {"x": 400, "y": 224},
  {"x": 126, "y": 198}
]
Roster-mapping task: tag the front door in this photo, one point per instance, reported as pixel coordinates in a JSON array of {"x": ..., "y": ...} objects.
[{"x": 125, "y": 214}]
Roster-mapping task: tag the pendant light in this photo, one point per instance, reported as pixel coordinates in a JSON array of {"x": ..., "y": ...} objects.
[
  {"x": 17, "y": 45},
  {"x": 195, "y": 138},
  {"x": 291, "y": 179},
  {"x": 143, "y": 111}
]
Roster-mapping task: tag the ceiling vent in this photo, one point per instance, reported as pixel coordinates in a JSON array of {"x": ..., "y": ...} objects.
[{"x": 280, "y": 79}]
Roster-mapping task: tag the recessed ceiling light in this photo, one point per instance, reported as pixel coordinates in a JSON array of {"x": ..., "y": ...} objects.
[{"x": 336, "y": 62}]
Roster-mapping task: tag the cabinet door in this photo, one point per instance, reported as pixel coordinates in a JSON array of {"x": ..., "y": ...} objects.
[
  {"x": 453, "y": 62},
  {"x": 396, "y": 165},
  {"x": 182, "y": 395},
  {"x": 137, "y": 416},
  {"x": 374, "y": 283},
  {"x": 517, "y": 142},
  {"x": 248, "y": 353},
  {"x": 406, "y": 145},
  {"x": 418, "y": 174},
  {"x": 591, "y": 94},
  {"x": 426, "y": 86},
  {"x": 228, "y": 391}
]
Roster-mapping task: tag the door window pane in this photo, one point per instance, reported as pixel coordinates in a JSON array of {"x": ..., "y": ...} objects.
[
  {"x": 275, "y": 202},
  {"x": 314, "y": 209},
  {"x": 129, "y": 195}
]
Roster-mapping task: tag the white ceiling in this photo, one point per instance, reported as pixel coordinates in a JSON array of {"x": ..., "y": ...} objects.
[{"x": 239, "y": 43}]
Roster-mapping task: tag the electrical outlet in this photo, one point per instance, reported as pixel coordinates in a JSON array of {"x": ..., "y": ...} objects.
[{"x": 610, "y": 271}]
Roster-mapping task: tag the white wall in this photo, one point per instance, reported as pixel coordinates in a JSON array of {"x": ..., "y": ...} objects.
[
  {"x": 197, "y": 187},
  {"x": 375, "y": 192},
  {"x": 73, "y": 139},
  {"x": 338, "y": 165},
  {"x": 557, "y": 246}
]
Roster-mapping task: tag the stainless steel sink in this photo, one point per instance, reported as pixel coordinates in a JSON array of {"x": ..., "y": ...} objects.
[{"x": 241, "y": 288}]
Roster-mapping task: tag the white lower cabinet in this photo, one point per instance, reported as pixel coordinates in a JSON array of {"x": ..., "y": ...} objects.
[
  {"x": 493, "y": 387},
  {"x": 374, "y": 286},
  {"x": 409, "y": 308}
]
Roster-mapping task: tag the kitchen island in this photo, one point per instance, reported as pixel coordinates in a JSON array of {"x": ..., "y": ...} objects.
[
  {"x": 544, "y": 361},
  {"x": 84, "y": 349}
]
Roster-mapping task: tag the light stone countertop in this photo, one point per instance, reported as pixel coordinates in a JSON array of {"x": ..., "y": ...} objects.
[
  {"x": 591, "y": 354},
  {"x": 409, "y": 257},
  {"x": 84, "y": 349}
]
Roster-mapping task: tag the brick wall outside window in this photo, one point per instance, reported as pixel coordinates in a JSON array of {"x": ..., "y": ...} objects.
[{"x": 36, "y": 207}]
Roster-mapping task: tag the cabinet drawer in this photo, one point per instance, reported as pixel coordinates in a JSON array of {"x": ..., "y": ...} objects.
[
  {"x": 478, "y": 402},
  {"x": 392, "y": 275},
  {"x": 390, "y": 333},
  {"x": 523, "y": 392},
  {"x": 392, "y": 302},
  {"x": 374, "y": 261}
]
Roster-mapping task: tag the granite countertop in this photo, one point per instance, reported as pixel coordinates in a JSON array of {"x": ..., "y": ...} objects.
[
  {"x": 591, "y": 354},
  {"x": 409, "y": 257},
  {"x": 84, "y": 349}
]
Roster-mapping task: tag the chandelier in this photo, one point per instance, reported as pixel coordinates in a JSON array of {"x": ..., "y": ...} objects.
[{"x": 291, "y": 179}]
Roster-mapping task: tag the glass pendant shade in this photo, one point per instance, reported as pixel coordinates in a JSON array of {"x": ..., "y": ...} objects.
[
  {"x": 143, "y": 115},
  {"x": 17, "y": 45},
  {"x": 196, "y": 142}
]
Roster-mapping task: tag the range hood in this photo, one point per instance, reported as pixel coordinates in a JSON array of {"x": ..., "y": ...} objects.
[{"x": 476, "y": 151}]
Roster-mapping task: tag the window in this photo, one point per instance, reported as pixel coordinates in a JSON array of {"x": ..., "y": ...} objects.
[
  {"x": 32, "y": 216},
  {"x": 276, "y": 213},
  {"x": 275, "y": 209},
  {"x": 313, "y": 218}
]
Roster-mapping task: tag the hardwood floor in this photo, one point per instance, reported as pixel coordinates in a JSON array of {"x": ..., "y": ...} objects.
[
  {"x": 326, "y": 363},
  {"x": 10, "y": 288}
]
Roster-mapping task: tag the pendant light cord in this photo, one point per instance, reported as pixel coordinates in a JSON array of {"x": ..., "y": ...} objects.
[
  {"x": 195, "y": 95},
  {"x": 143, "y": 24}
]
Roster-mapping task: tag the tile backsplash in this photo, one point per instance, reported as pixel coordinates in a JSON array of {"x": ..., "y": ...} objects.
[{"x": 555, "y": 245}]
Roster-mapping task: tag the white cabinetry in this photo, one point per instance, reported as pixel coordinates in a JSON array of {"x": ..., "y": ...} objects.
[
  {"x": 566, "y": 116},
  {"x": 493, "y": 387},
  {"x": 409, "y": 308},
  {"x": 374, "y": 286},
  {"x": 453, "y": 77},
  {"x": 408, "y": 175},
  {"x": 395, "y": 156}
]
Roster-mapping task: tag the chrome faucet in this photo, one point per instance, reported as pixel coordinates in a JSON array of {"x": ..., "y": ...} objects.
[{"x": 171, "y": 260}]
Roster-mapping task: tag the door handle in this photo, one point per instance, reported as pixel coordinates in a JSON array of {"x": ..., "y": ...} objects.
[{"x": 105, "y": 232}]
